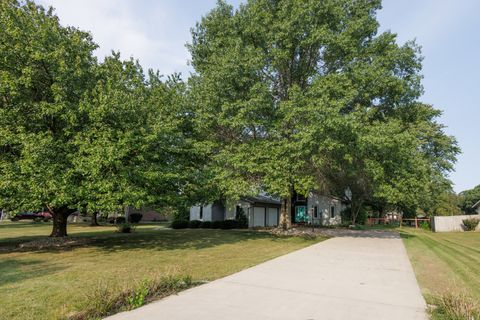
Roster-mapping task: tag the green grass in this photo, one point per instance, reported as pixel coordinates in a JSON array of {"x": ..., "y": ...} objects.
[
  {"x": 444, "y": 263},
  {"x": 49, "y": 284}
]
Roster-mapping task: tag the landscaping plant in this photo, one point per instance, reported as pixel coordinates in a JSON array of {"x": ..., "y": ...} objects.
[{"x": 470, "y": 224}]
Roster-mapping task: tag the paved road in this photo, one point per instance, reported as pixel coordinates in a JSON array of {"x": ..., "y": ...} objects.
[{"x": 354, "y": 276}]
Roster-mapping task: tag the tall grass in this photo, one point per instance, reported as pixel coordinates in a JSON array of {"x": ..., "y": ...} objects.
[
  {"x": 456, "y": 306},
  {"x": 104, "y": 301}
]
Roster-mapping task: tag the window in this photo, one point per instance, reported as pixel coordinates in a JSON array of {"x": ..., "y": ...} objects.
[
  {"x": 201, "y": 212},
  {"x": 315, "y": 212},
  {"x": 332, "y": 212}
]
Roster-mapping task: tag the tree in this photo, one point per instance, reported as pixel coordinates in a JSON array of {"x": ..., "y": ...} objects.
[
  {"x": 78, "y": 134},
  {"x": 307, "y": 96},
  {"x": 468, "y": 198},
  {"x": 135, "y": 149},
  {"x": 45, "y": 70},
  {"x": 447, "y": 205}
]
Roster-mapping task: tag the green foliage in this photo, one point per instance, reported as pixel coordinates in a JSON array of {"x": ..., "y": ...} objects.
[
  {"x": 425, "y": 225},
  {"x": 216, "y": 224},
  {"x": 448, "y": 204},
  {"x": 471, "y": 224},
  {"x": 179, "y": 224},
  {"x": 206, "y": 224},
  {"x": 241, "y": 218},
  {"x": 228, "y": 224},
  {"x": 308, "y": 96},
  {"x": 181, "y": 213},
  {"x": 194, "y": 224},
  {"x": 468, "y": 198},
  {"x": 78, "y": 134},
  {"x": 45, "y": 71},
  {"x": 137, "y": 297},
  {"x": 361, "y": 218}
]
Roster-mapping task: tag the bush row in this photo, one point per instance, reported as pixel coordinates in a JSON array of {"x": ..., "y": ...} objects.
[{"x": 194, "y": 224}]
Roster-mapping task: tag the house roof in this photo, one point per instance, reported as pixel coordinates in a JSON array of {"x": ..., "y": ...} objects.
[
  {"x": 261, "y": 199},
  {"x": 477, "y": 204}
]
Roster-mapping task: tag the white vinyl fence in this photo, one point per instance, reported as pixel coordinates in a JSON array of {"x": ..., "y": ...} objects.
[{"x": 451, "y": 223}]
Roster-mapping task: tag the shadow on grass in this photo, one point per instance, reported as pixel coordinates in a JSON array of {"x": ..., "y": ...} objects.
[
  {"x": 179, "y": 239},
  {"x": 15, "y": 270},
  {"x": 351, "y": 233},
  {"x": 157, "y": 240},
  {"x": 24, "y": 224}
]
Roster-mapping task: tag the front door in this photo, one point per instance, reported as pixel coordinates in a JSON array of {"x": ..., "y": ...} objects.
[{"x": 301, "y": 214}]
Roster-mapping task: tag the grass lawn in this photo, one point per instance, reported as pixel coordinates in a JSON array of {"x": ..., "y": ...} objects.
[
  {"x": 444, "y": 262},
  {"x": 49, "y": 284}
]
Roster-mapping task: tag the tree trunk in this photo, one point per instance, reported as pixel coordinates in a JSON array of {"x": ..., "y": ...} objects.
[
  {"x": 285, "y": 213},
  {"x": 60, "y": 216},
  {"x": 94, "y": 221},
  {"x": 355, "y": 208}
]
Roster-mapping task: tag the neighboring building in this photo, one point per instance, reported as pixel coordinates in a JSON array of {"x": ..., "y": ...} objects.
[
  {"x": 264, "y": 211},
  {"x": 476, "y": 207},
  {"x": 148, "y": 214}
]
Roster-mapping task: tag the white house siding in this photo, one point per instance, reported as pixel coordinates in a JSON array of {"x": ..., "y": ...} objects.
[
  {"x": 207, "y": 213},
  {"x": 324, "y": 204}
]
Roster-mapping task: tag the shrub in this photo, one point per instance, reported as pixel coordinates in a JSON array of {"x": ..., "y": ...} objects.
[
  {"x": 181, "y": 213},
  {"x": 194, "y": 224},
  {"x": 241, "y": 218},
  {"x": 228, "y": 224},
  {"x": 346, "y": 215},
  {"x": 216, "y": 224},
  {"x": 206, "y": 224},
  {"x": 425, "y": 225},
  {"x": 125, "y": 228},
  {"x": 179, "y": 224},
  {"x": 135, "y": 217},
  {"x": 471, "y": 224}
]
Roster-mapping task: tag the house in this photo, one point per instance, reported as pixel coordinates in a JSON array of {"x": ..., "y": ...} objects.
[
  {"x": 148, "y": 214},
  {"x": 264, "y": 210},
  {"x": 476, "y": 207}
]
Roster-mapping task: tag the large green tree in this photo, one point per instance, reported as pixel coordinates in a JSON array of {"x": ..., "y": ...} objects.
[
  {"x": 308, "y": 96},
  {"x": 78, "y": 134},
  {"x": 45, "y": 70}
]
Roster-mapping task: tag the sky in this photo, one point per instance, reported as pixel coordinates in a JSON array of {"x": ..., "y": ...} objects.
[{"x": 155, "y": 32}]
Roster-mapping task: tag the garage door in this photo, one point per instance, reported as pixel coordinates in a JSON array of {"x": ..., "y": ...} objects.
[
  {"x": 258, "y": 216},
  {"x": 272, "y": 218}
]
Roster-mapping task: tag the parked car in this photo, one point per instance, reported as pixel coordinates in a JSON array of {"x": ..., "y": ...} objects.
[{"x": 36, "y": 216}]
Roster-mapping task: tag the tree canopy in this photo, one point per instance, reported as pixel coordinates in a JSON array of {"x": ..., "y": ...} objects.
[
  {"x": 468, "y": 198},
  {"x": 309, "y": 96},
  {"x": 288, "y": 96},
  {"x": 75, "y": 132}
]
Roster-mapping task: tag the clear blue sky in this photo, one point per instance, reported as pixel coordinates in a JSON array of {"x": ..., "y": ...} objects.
[{"x": 155, "y": 32}]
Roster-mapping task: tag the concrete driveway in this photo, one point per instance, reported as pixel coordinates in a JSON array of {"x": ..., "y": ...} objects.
[{"x": 356, "y": 275}]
